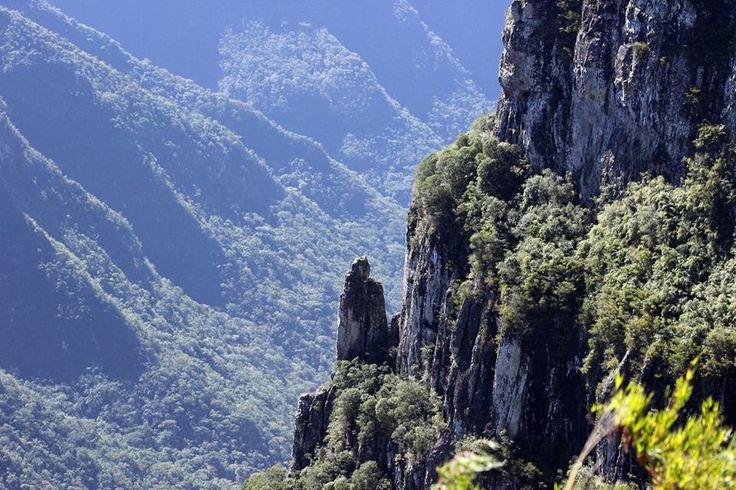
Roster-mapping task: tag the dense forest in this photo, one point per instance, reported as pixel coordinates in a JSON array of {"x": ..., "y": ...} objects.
[
  {"x": 382, "y": 101},
  {"x": 174, "y": 248}
]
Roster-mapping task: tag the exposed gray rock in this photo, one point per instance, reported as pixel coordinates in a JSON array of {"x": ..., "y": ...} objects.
[
  {"x": 312, "y": 419},
  {"x": 729, "y": 111},
  {"x": 509, "y": 388},
  {"x": 362, "y": 328},
  {"x": 427, "y": 276},
  {"x": 620, "y": 93},
  {"x": 520, "y": 391},
  {"x": 535, "y": 78},
  {"x": 463, "y": 366}
]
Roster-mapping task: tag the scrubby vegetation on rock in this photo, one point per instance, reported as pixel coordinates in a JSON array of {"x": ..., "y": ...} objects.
[{"x": 637, "y": 285}]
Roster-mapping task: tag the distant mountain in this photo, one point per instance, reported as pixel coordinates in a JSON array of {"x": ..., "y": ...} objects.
[
  {"x": 309, "y": 81},
  {"x": 170, "y": 256},
  {"x": 175, "y": 222},
  {"x": 371, "y": 81},
  {"x": 44, "y": 284},
  {"x": 472, "y": 28}
]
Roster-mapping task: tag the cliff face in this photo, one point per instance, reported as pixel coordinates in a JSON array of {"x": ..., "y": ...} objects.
[
  {"x": 140, "y": 214},
  {"x": 492, "y": 383},
  {"x": 365, "y": 340},
  {"x": 599, "y": 90},
  {"x": 513, "y": 389},
  {"x": 610, "y": 89}
]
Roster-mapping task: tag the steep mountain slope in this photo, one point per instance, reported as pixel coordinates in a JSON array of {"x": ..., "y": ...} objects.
[
  {"x": 470, "y": 28},
  {"x": 186, "y": 249},
  {"x": 41, "y": 284},
  {"x": 521, "y": 304},
  {"x": 384, "y": 88},
  {"x": 296, "y": 160},
  {"x": 384, "y": 34},
  {"x": 306, "y": 75},
  {"x": 537, "y": 269},
  {"x": 124, "y": 335}
]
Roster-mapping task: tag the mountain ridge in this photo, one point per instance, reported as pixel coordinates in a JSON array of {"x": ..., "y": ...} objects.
[
  {"x": 342, "y": 46},
  {"x": 208, "y": 379}
]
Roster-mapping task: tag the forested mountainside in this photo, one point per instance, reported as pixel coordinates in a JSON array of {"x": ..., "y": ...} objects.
[
  {"x": 584, "y": 231},
  {"x": 172, "y": 258},
  {"x": 471, "y": 28},
  {"x": 377, "y": 101},
  {"x": 154, "y": 30}
]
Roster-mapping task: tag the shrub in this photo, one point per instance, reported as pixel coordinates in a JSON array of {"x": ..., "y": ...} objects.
[
  {"x": 698, "y": 455},
  {"x": 641, "y": 48}
]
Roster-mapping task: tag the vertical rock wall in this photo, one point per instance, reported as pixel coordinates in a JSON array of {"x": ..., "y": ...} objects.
[{"x": 608, "y": 89}]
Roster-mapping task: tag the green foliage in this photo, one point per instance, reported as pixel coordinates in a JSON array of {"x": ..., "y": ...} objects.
[
  {"x": 626, "y": 275},
  {"x": 375, "y": 403},
  {"x": 541, "y": 277},
  {"x": 695, "y": 103},
  {"x": 647, "y": 255},
  {"x": 641, "y": 48},
  {"x": 274, "y": 478},
  {"x": 373, "y": 406},
  {"x": 522, "y": 229},
  {"x": 462, "y": 470},
  {"x": 448, "y": 181},
  {"x": 711, "y": 137},
  {"x": 369, "y": 477},
  {"x": 409, "y": 413},
  {"x": 569, "y": 16},
  {"x": 307, "y": 67},
  {"x": 479, "y": 462},
  {"x": 648, "y": 277},
  {"x": 697, "y": 454},
  {"x": 231, "y": 300},
  {"x": 587, "y": 479},
  {"x": 502, "y": 169},
  {"x": 442, "y": 178},
  {"x": 706, "y": 327}
]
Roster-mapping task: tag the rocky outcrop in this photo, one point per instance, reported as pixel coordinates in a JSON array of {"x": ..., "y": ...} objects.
[
  {"x": 603, "y": 90},
  {"x": 513, "y": 389},
  {"x": 535, "y": 78},
  {"x": 610, "y": 89},
  {"x": 362, "y": 328},
  {"x": 526, "y": 391},
  {"x": 510, "y": 387},
  {"x": 463, "y": 368},
  {"x": 312, "y": 418},
  {"x": 362, "y": 333}
]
